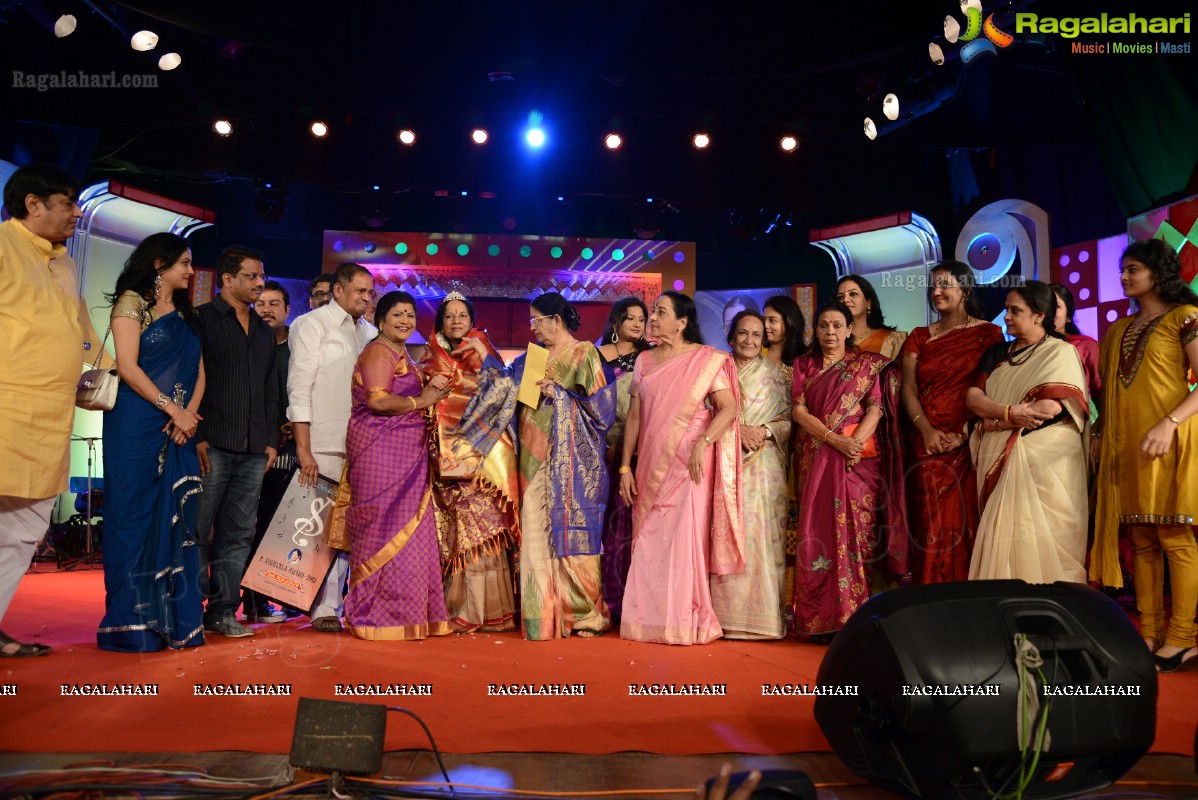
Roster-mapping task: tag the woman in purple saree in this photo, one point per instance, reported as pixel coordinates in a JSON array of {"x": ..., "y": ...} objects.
[
  {"x": 852, "y": 510},
  {"x": 395, "y": 579}
]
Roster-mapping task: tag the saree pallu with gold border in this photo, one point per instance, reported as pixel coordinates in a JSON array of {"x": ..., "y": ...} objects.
[
  {"x": 1032, "y": 484},
  {"x": 476, "y": 499},
  {"x": 564, "y": 481},
  {"x": 682, "y": 531},
  {"x": 395, "y": 574},
  {"x": 852, "y": 523}
]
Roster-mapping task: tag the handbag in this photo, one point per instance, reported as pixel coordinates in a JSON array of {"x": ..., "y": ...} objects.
[
  {"x": 96, "y": 390},
  {"x": 870, "y": 449}
]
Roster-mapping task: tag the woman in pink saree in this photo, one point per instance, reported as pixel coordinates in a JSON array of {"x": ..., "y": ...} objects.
[
  {"x": 852, "y": 508},
  {"x": 686, "y": 493}
]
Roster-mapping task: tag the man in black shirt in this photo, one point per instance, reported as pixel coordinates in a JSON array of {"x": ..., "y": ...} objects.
[{"x": 236, "y": 439}]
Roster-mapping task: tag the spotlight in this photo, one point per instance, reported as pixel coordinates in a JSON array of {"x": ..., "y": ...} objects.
[
  {"x": 406, "y": 137},
  {"x": 223, "y": 127},
  {"x": 612, "y": 141},
  {"x": 701, "y": 141},
  {"x": 936, "y": 53},
  {"x": 952, "y": 29},
  {"x": 319, "y": 129},
  {"x": 65, "y": 25},
  {"x": 143, "y": 41},
  {"x": 535, "y": 137},
  {"x": 479, "y": 136},
  {"x": 169, "y": 61},
  {"x": 871, "y": 130},
  {"x": 890, "y": 106},
  {"x": 789, "y": 144}
]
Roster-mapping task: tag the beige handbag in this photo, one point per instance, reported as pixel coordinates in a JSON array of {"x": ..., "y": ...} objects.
[{"x": 96, "y": 390}]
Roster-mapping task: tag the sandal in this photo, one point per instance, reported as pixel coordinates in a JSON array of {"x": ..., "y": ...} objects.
[
  {"x": 22, "y": 650},
  {"x": 588, "y": 634},
  {"x": 327, "y": 625}
]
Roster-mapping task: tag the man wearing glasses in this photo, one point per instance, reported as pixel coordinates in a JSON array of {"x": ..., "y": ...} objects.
[
  {"x": 236, "y": 437},
  {"x": 320, "y": 291}
]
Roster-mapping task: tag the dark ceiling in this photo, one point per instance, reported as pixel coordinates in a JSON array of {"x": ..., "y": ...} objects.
[{"x": 654, "y": 71}]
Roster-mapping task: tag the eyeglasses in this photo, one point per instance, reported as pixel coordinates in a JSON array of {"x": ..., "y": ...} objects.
[
  {"x": 462, "y": 317},
  {"x": 252, "y": 277},
  {"x": 535, "y": 321},
  {"x": 319, "y": 295}
]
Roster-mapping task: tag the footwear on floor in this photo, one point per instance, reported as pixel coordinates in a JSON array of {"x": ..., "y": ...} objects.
[
  {"x": 267, "y": 613},
  {"x": 11, "y": 648},
  {"x": 327, "y": 625},
  {"x": 1180, "y": 661},
  {"x": 228, "y": 627}
]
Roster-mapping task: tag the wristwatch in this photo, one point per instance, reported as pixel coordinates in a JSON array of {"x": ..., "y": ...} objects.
[{"x": 769, "y": 434}]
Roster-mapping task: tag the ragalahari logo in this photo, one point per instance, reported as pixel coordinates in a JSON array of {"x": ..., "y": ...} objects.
[{"x": 975, "y": 27}]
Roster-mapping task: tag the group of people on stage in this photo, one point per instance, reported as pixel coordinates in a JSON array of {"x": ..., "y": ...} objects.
[{"x": 687, "y": 492}]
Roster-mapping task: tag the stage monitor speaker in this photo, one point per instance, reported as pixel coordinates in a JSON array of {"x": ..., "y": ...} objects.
[
  {"x": 334, "y": 736},
  {"x": 937, "y": 689}
]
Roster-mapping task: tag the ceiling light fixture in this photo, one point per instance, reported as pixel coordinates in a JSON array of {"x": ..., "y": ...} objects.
[
  {"x": 319, "y": 129},
  {"x": 701, "y": 141},
  {"x": 144, "y": 41},
  {"x": 890, "y": 106},
  {"x": 612, "y": 141},
  {"x": 65, "y": 25},
  {"x": 479, "y": 136},
  {"x": 871, "y": 130},
  {"x": 788, "y": 144},
  {"x": 223, "y": 127},
  {"x": 406, "y": 137},
  {"x": 169, "y": 61}
]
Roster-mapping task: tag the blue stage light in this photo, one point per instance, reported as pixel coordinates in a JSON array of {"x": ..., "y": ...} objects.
[{"x": 535, "y": 137}]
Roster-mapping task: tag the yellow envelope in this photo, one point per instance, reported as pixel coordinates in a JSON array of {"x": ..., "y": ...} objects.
[{"x": 534, "y": 371}]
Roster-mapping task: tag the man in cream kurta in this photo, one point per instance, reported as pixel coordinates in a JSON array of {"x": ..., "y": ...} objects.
[
  {"x": 44, "y": 329},
  {"x": 325, "y": 344}
]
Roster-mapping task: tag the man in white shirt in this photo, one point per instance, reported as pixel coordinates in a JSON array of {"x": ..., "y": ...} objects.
[{"x": 325, "y": 344}]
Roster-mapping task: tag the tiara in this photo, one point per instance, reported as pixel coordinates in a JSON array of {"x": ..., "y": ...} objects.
[{"x": 454, "y": 295}]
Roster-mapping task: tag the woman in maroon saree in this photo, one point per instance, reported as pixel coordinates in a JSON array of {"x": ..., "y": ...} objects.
[
  {"x": 938, "y": 365},
  {"x": 852, "y": 510}
]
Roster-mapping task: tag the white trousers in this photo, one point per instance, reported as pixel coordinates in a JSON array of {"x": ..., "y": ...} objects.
[
  {"x": 23, "y": 524},
  {"x": 330, "y": 600}
]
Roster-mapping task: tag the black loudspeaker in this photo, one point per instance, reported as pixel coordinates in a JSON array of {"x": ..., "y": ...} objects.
[
  {"x": 334, "y": 736},
  {"x": 936, "y": 680}
]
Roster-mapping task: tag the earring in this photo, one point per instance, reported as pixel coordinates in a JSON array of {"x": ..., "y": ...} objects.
[
  {"x": 157, "y": 286},
  {"x": 615, "y": 339}
]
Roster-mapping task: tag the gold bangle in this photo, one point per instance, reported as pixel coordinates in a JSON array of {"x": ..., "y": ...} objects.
[
  {"x": 917, "y": 419},
  {"x": 625, "y": 470},
  {"x": 1172, "y": 419},
  {"x": 1006, "y": 414},
  {"x": 827, "y": 433},
  {"x": 707, "y": 438}
]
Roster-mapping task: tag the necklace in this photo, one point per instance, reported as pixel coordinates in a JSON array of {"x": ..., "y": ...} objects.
[
  {"x": 941, "y": 329},
  {"x": 1026, "y": 352},
  {"x": 565, "y": 349}
]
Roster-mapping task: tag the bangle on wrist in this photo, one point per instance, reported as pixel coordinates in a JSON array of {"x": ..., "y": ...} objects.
[
  {"x": 625, "y": 470},
  {"x": 160, "y": 402},
  {"x": 827, "y": 433},
  {"x": 1172, "y": 419},
  {"x": 1006, "y": 413},
  {"x": 707, "y": 438},
  {"x": 918, "y": 417}
]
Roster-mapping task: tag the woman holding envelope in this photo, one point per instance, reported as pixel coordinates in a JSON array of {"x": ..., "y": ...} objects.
[
  {"x": 477, "y": 499},
  {"x": 565, "y": 408}
]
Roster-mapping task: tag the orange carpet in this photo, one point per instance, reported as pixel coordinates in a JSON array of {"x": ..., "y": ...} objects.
[{"x": 62, "y": 609}]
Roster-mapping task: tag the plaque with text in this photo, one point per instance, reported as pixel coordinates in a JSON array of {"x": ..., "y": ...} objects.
[{"x": 294, "y": 558}]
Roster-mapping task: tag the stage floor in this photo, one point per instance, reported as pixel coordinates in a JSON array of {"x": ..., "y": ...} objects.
[{"x": 459, "y": 685}]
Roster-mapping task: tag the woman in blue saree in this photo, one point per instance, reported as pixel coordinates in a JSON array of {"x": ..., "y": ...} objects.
[{"x": 151, "y": 567}]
